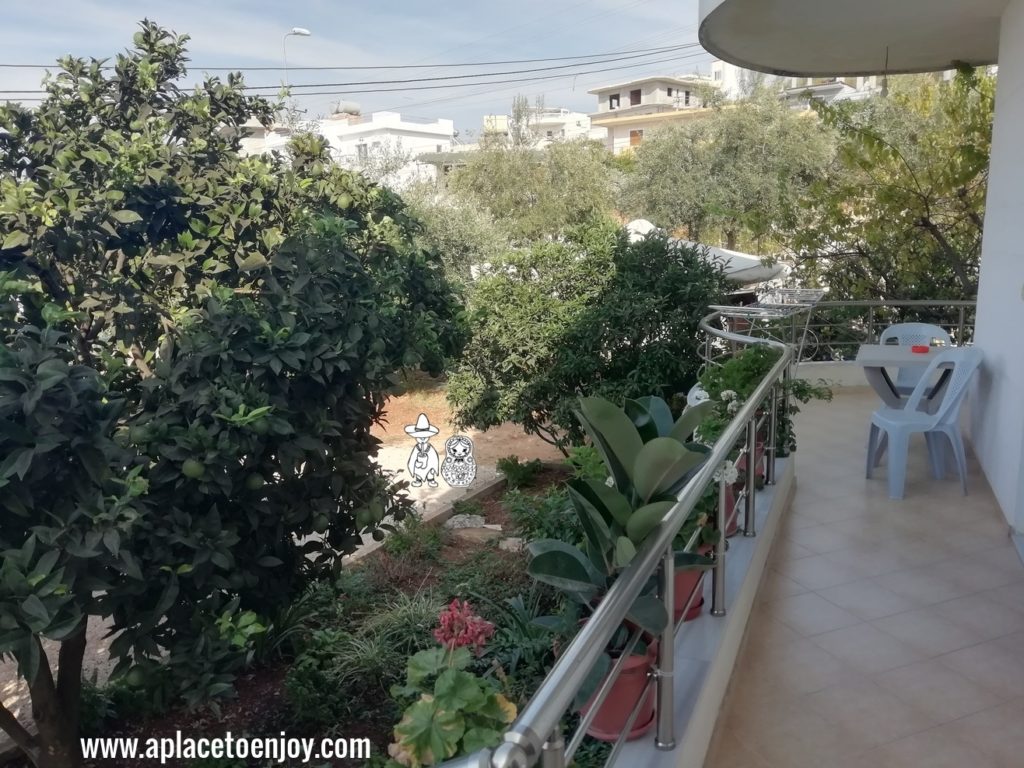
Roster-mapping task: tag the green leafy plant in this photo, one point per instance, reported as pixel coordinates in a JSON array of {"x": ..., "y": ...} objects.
[
  {"x": 586, "y": 463},
  {"x": 731, "y": 383},
  {"x": 415, "y": 539},
  {"x": 453, "y": 711},
  {"x": 194, "y": 346},
  {"x": 547, "y": 516},
  {"x": 517, "y": 473},
  {"x": 649, "y": 457},
  {"x": 592, "y": 314}
]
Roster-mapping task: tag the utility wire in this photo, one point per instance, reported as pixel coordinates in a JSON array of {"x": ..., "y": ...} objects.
[
  {"x": 652, "y": 52},
  {"x": 292, "y": 68}
]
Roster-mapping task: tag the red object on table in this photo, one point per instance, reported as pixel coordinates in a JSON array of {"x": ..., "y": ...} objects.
[{"x": 920, "y": 348}]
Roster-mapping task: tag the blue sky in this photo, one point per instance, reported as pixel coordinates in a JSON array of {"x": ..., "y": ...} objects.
[{"x": 346, "y": 33}]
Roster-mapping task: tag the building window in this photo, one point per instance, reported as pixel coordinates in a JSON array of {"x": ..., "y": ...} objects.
[
  {"x": 551, "y": 134},
  {"x": 613, "y": 101},
  {"x": 718, "y": 74},
  {"x": 438, "y": 147},
  {"x": 634, "y": 97},
  {"x": 686, "y": 98},
  {"x": 636, "y": 137},
  {"x": 361, "y": 152},
  {"x": 670, "y": 91}
]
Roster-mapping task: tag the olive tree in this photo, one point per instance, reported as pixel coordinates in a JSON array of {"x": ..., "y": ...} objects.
[{"x": 194, "y": 346}]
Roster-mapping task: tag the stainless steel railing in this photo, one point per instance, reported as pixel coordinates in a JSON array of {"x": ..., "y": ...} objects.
[
  {"x": 535, "y": 738},
  {"x": 833, "y": 330}
]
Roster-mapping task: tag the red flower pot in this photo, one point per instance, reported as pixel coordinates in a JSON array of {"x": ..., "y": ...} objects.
[
  {"x": 732, "y": 520},
  {"x": 741, "y": 465},
  {"x": 686, "y": 581},
  {"x": 626, "y": 691}
]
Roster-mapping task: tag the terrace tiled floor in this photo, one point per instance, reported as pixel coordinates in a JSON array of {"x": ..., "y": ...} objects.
[{"x": 886, "y": 634}]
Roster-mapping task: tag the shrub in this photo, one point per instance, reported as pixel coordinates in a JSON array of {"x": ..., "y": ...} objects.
[
  {"x": 608, "y": 318},
  {"x": 548, "y": 516},
  {"x": 517, "y": 473},
  {"x": 416, "y": 540},
  {"x": 488, "y": 572},
  {"x": 586, "y": 463},
  {"x": 193, "y": 348},
  {"x": 404, "y": 622}
]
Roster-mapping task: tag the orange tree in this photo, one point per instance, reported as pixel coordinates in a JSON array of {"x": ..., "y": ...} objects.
[{"x": 193, "y": 348}]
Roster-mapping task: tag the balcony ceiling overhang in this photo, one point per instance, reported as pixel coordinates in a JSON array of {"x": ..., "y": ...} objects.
[{"x": 846, "y": 37}]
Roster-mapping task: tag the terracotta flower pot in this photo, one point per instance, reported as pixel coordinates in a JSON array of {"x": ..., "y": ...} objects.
[
  {"x": 686, "y": 581},
  {"x": 627, "y": 689},
  {"x": 733, "y": 524},
  {"x": 741, "y": 465}
]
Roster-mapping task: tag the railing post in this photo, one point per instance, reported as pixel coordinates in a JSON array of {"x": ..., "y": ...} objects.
[
  {"x": 552, "y": 754},
  {"x": 773, "y": 427},
  {"x": 665, "y": 738},
  {"x": 871, "y": 325},
  {"x": 960, "y": 328},
  {"x": 751, "y": 478},
  {"x": 718, "y": 570}
]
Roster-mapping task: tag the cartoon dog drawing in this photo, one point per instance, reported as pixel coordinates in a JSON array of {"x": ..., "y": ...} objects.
[
  {"x": 423, "y": 461},
  {"x": 459, "y": 468}
]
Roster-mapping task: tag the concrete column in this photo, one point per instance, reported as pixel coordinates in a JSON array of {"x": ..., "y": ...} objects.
[{"x": 997, "y": 412}]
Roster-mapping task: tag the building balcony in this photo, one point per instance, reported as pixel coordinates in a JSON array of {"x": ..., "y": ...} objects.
[{"x": 845, "y": 629}]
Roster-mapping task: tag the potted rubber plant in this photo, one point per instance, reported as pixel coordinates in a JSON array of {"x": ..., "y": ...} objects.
[{"x": 649, "y": 457}]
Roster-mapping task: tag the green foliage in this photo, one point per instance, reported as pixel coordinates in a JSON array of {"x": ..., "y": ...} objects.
[
  {"x": 334, "y": 677},
  {"x": 454, "y": 712},
  {"x": 714, "y": 176},
  {"x": 521, "y": 648},
  {"x": 404, "y": 622},
  {"x": 517, "y": 474},
  {"x": 547, "y": 516},
  {"x": 899, "y": 213},
  {"x": 565, "y": 319},
  {"x": 488, "y": 572},
  {"x": 586, "y": 463},
  {"x": 524, "y": 189},
  {"x": 465, "y": 235},
  {"x": 416, "y": 540},
  {"x": 193, "y": 348},
  {"x": 732, "y": 383}
]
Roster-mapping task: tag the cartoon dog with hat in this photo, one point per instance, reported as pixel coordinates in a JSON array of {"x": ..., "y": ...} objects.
[{"x": 423, "y": 461}]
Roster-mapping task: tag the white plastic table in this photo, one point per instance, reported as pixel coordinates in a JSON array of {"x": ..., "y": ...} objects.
[{"x": 876, "y": 359}]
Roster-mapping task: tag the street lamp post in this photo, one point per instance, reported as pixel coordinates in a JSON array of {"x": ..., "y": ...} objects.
[{"x": 298, "y": 32}]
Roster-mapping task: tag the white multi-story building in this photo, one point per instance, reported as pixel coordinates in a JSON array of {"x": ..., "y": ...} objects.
[
  {"x": 385, "y": 144},
  {"x": 632, "y": 109},
  {"x": 547, "y": 125}
]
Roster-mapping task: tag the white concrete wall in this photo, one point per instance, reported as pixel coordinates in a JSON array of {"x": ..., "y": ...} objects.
[{"x": 998, "y": 427}]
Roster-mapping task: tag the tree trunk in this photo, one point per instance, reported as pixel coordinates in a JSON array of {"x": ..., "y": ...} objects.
[
  {"x": 730, "y": 240},
  {"x": 55, "y": 705}
]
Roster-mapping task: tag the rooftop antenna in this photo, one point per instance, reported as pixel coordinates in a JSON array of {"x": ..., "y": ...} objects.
[{"x": 885, "y": 74}]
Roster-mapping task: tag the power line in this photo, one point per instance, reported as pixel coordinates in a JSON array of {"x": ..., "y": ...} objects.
[
  {"x": 474, "y": 83},
  {"x": 292, "y": 68},
  {"x": 651, "y": 52}
]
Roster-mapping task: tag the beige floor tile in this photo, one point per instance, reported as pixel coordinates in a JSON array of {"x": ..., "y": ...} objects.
[
  {"x": 819, "y": 539},
  {"x": 786, "y": 548},
  {"x": 867, "y": 599},
  {"x": 988, "y": 618},
  {"x": 821, "y": 571},
  {"x": 934, "y": 748},
  {"x": 811, "y": 614},
  {"x": 781, "y": 671},
  {"x": 727, "y": 751},
  {"x": 923, "y": 585},
  {"x": 1011, "y": 595},
  {"x": 994, "y": 733},
  {"x": 867, "y": 648},
  {"x": 928, "y": 632},
  {"x": 937, "y": 690},
  {"x": 792, "y": 735},
  {"x": 872, "y": 715},
  {"x": 991, "y": 664},
  {"x": 775, "y": 586}
]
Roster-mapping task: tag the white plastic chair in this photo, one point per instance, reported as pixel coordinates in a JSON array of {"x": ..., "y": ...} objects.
[
  {"x": 898, "y": 424},
  {"x": 908, "y": 334}
]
